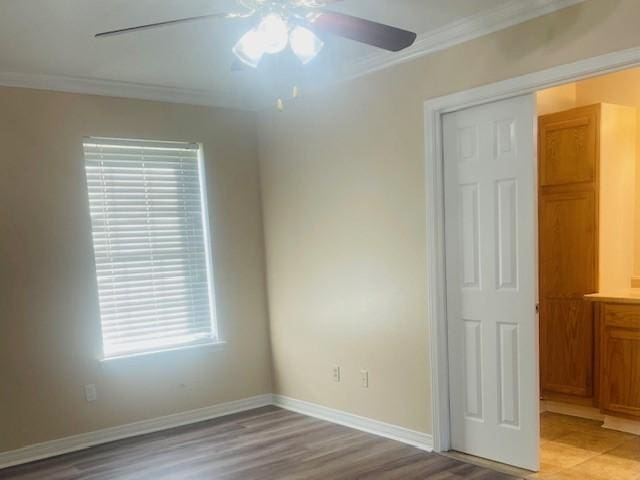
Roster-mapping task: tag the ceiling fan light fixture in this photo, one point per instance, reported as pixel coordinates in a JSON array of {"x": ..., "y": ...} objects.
[
  {"x": 274, "y": 32},
  {"x": 250, "y": 48},
  {"x": 305, "y": 44}
]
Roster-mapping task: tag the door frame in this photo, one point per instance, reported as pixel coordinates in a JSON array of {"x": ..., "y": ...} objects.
[{"x": 434, "y": 109}]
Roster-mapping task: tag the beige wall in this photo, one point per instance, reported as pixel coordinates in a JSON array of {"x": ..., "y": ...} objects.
[
  {"x": 49, "y": 323},
  {"x": 343, "y": 198},
  {"x": 622, "y": 88},
  {"x": 556, "y": 99}
]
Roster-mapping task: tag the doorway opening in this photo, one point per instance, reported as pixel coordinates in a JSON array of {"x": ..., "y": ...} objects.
[
  {"x": 589, "y": 265},
  {"x": 602, "y": 427}
]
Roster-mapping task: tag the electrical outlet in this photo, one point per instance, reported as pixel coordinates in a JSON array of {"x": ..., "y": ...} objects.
[
  {"x": 364, "y": 379},
  {"x": 336, "y": 373},
  {"x": 90, "y": 393}
]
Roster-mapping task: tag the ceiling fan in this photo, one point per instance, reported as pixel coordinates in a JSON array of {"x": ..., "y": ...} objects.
[{"x": 300, "y": 24}]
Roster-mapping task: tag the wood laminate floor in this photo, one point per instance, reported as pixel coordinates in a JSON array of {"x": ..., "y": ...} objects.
[{"x": 263, "y": 444}]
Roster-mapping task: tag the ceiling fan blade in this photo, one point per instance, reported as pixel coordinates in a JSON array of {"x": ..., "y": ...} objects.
[
  {"x": 161, "y": 24},
  {"x": 364, "y": 31}
]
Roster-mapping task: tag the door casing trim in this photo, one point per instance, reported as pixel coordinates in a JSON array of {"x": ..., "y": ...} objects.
[{"x": 434, "y": 109}]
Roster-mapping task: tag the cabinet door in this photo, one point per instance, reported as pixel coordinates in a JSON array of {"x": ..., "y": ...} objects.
[
  {"x": 620, "y": 364},
  {"x": 568, "y": 239},
  {"x": 569, "y": 146},
  {"x": 568, "y": 244},
  {"x": 566, "y": 353}
]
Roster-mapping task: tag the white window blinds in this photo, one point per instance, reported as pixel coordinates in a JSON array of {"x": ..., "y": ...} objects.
[{"x": 150, "y": 238}]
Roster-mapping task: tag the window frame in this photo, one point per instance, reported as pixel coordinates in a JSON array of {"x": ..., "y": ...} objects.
[{"x": 215, "y": 341}]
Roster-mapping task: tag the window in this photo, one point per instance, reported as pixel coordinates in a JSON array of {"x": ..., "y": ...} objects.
[{"x": 151, "y": 245}]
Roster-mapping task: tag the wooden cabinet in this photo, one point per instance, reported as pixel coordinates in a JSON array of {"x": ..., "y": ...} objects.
[
  {"x": 568, "y": 244},
  {"x": 568, "y": 256},
  {"x": 569, "y": 146},
  {"x": 620, "y": 359},
  {"x": 567, "y": 347},
  {"x": 585, "y": 223}
]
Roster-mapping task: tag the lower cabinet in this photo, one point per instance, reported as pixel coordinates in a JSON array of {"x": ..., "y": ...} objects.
[
  {"x": 567, "y": 351},
  {"x": 619, "y": 359}
]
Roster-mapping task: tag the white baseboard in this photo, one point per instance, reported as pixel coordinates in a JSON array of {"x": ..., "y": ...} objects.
[
  {"x": 572, "y": 410},
  {"x": 85, "y": 440},
  {"x": 612, "y": 423},
  {"x": 423, "y": 441},
  {"x": 621, "y": 424}
]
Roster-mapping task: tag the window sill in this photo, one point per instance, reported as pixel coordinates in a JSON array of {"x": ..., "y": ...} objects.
[{"x": 214, "y": 346}]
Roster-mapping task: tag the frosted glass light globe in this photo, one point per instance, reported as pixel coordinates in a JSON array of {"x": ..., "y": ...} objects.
[
  {"x": 305, "y": 44},
  {"x": 274, "y": 32},
  {"x": 250, "y": 48}
]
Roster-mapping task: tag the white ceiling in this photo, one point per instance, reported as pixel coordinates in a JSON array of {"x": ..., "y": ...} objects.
[{"x": 50, "y": 42}]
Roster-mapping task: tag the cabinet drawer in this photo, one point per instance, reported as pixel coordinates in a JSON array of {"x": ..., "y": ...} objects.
[{"x": 621, "y": 316}]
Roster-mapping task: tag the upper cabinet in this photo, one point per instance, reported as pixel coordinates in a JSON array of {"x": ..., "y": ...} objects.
[{"x": 569, "y": 144}]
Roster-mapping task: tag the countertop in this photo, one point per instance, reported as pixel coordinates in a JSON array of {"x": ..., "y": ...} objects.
[{"x": 624, "y": 296}]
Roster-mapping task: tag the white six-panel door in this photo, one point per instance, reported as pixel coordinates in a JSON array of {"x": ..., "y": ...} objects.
[{"x": 490, "y": 205}]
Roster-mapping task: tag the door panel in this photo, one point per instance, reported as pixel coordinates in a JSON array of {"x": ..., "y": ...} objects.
[
  {"x": 566, "y": 346},
  {"x": 568, "y": 239},
  {"x": 622, "y": 395},
  {"x": 620, "y": 381},
  {"x": 568, "y": 146},
  {"x": 506, "y": 196},
  {"x": 568, "y": 244},
  {"x": 508, "y": 388},
  {"x": 473, "y": 369},
  {"x": 470, "y": 235},
  {"x": 489, "y": 156}
]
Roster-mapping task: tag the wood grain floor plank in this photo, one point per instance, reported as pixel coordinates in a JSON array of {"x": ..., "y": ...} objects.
[{"x": 263, "y": 444}]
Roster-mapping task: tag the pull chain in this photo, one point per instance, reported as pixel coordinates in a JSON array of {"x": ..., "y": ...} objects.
[{"x": 294, "y": 94}]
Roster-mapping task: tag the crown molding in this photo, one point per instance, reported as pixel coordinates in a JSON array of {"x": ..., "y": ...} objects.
[
  {"x": 469, "y": 28},
  {"x": 112, "y": 88}
]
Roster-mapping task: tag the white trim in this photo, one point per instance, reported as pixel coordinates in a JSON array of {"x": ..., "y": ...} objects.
[
  {"x": 420, "y": 440},
  {"x": 591, "y": 413},
  {"x": 140, "y": 143},
  {"x": 509, "y": 14},
  {"x": 621, "y": 424},
  {"x": 208, "y": 236},
  {"x": 112, "y": 88},
  {"x": 211, "y": 346},
  {"x": 85, "y": 440},
  {"x": 433, "y": 111},
  {"x": 580, "y": 411},
  {"x": 436, "y": 291},
  {"x": 504, "y": 16}
]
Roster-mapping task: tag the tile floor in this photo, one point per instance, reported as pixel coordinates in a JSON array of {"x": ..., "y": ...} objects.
[{"x": 575, "y": 448}]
